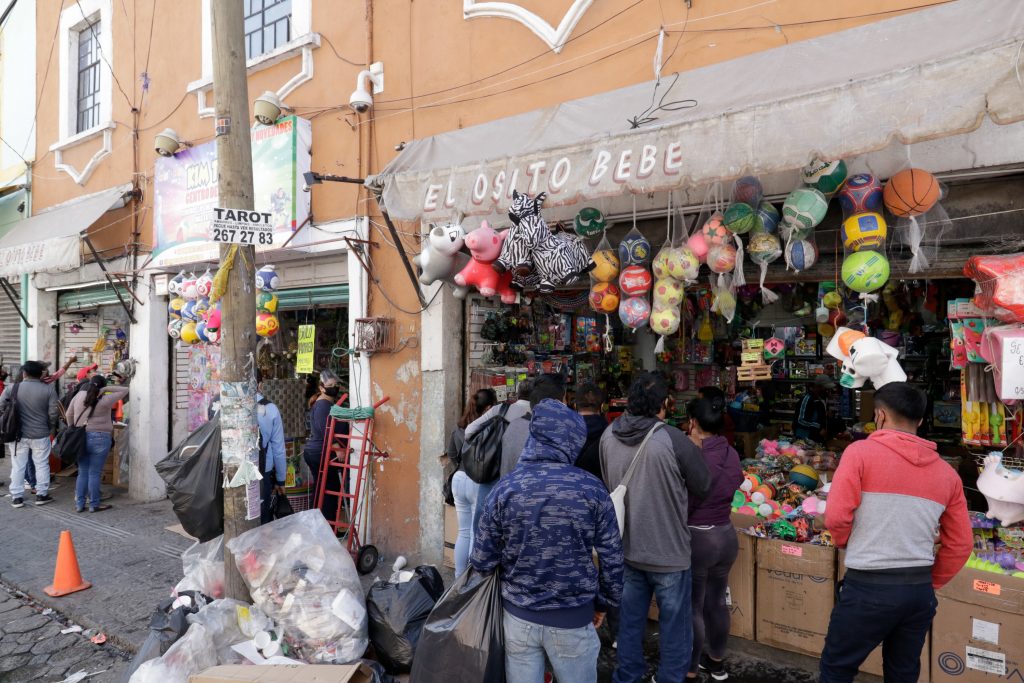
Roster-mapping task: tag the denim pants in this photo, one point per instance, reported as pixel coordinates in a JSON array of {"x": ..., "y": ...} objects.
[
  {"x": 671, "y": 590},
  {"x": 30, "y": 473},
  {"x": 571, "y": 651},
  {"x": 867, "y": 614},
  {"x": 464, "y": 490},
  {"x": 39, "y": 451},
  {"x": 90, "y": 468}
]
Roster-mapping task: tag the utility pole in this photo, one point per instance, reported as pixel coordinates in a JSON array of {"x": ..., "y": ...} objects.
[{"x": 239, "y": 429}]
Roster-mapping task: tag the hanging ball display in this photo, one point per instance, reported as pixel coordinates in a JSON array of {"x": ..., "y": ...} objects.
[
  {"x": 634, "y": 249},
  {"x": 189, "y": 290},
  {"x": 660, "y": 264},
  {"x": 715, "y": 232},
  {"x": 604, "y": 297},
  {"x": 188, "y": 312},
  {"x": 698, "y": 245},
  {"x": 634, "y": 312},
  {"x": 801, "y": 254},
  {"x": 825, "y": 176},
  {"x": 865, "y": 271},
  {"x": 665, "y": 320},
  {"x": 768, "y": 218},
  {"x": 740, "y": 218},
  {"x": 832, "y": 300},
  {"x": 201, "y": 308},
  {"x": 174, "y": 328},
  {"x": 267, "y": 324},
  {"x": 668, "y": 292},
  {"x": 266, "y": 302},
  {"x": 911, "y": 192},
  {"x": 764, "y": 248},
  {"x": 266, "y": 278},
  {"x": 864, "y": 231},
  {"x": 685, "y": 265},
  {"x": 188, "y": 333},
  {"x": 606, "y": 265},
  {"x": 803, "y": 209},
  {"x": 722, "y": 258},
  {"x": 175, "y": 306},
  {"x": 175, "y": 283},
  {"x": 748, "y": 190},
  {"x": 201, "y": 331},
  {"x": 589, "y": 221},
  {"x": 635, "y": 280},
  {"x": 861, "y": 193},
  {"x": 204, "y": 284}
]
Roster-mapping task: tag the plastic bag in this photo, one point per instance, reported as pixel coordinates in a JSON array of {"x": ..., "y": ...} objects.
[
  {"x": 191, "y": 654},
  {"x": 195, "y": 481},
  {"x": 166, "y": 626},
  {"x": 463, "y": 638},
  {"x": 203, "y": 567},
  {"x": 300, "y": 575},
  {"x": 220, "y": 619},
  {"x": 397, "y": 612}
]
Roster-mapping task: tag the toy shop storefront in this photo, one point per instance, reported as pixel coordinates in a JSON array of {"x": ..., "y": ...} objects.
[{"x": 772, "y": 271}]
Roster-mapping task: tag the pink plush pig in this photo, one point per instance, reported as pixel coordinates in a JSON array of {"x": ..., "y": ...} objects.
[{"x": 485, "y": 246}]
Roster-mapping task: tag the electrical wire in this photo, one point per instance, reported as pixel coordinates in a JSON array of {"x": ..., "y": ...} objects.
[
  {"x": 338, "y": 55},
  {"x": 99, "y": 48}
]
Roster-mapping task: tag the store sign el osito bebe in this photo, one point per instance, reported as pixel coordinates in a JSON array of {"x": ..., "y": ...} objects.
[{"x": 592, "y": 173}]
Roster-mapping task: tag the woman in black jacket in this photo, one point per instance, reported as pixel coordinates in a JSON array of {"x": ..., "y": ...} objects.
[{"x": 464, "y": 489}]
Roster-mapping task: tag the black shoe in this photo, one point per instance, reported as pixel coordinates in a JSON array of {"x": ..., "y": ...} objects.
[
  {"x": 43, "y": 499},
  {"x": 18, "y": 503},
  {"x": 714, "y": 669}
]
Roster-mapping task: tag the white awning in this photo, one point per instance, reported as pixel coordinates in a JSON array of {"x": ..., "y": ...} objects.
[
  {"x": 924, "y": 75},
  {"x": 51, "y": 241}
]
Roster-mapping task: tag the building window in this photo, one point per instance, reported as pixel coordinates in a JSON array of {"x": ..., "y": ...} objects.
[
  {"x": 89, "y": 78},
  {"x": 268, "y": 25}
]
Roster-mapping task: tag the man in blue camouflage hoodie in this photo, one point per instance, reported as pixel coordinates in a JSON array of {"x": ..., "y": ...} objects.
[{"x": 540, "y": 526}]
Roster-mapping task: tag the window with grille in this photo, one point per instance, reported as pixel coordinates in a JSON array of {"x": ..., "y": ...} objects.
[
  {"x": 88, "y": 104},
  {"x": 268, "y": 25}
]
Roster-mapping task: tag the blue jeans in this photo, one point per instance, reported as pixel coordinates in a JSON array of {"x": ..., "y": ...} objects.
[
  {"x": 896, "y": 616},
  {"x": 30, "y": 473},
  {"x": 671, "y": 590},
  {"x": 465, "y": 491},
  {"x": 571, "y": 651},
  {"x": 90, "y": 467}
]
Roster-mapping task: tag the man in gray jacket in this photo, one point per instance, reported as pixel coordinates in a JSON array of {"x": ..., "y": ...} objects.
[
  {"x": 37, "y": 411},
  {"x": 656, "y": 541}
]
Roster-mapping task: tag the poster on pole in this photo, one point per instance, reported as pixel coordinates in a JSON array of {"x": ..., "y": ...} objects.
[{"x": 306, "y": 350}]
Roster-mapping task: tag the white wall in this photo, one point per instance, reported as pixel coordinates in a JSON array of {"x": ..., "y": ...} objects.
[
  {"x": 148, "y": 407},
  {"x": 18, "y": 84}
]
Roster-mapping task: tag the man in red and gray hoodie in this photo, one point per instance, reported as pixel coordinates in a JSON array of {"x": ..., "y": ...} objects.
[{"x": 891, "y": 500}]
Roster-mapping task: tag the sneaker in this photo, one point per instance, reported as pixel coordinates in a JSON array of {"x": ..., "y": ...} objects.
[
  {"x": 43, "y": 499},
  {"x": 714, "y": 669},
  {"x": 99, "y": 508},
  {"x": 18, "y": 503}
]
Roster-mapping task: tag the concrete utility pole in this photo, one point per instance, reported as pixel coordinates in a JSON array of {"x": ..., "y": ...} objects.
[{"x": 239, "y": 429}]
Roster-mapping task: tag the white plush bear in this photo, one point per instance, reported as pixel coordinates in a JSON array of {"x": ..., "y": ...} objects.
[
  {"x": 442, "y": 257},
  {"x": 1003, "y": 489}
]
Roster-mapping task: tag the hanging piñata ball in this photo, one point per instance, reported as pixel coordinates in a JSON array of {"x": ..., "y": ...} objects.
[
  {"x": 860, "y": 193},
  {"x": 606, "y": 265},
  {"x": 634, "y": 281},
  {"x": 266, "y": 302},
  {"x": 722, "y": 258},
  {"x": 665, "y": 321},
  {"x": 698, "y": 245},
  {"x": 175, "y": 306},
  {"x": 266, "y": 278},
  {"x": 634, "y": 249},
  {"x": 740, "y": 218},
  {"x": 803, "y": 209},
  {"x": 668, "y": 292},
  {"x": 204, "y": 284},
  {"x": 768, "y": 218},
  {"x": 864, "y": 231},
  {"x": 188, "y": 333},
  {"x": 764, "y": 248},
  {"x": 825, "y": 176},
  {"x": 267, "y": 324},
  {"x": 715, "y": 232},
  {"x": 634, "y": 312},
  {"x": 174, "y": 328},
  {"x": 685, "y": 265},
  {"x": 589, "y": 221},
  {"x": 748, "y": 190},
  {"x": 604, "y": 297},
  {"x": 911, "y": 192},
  {"x": 865, "y": 271},
  {"x": 801, "y": 254}
]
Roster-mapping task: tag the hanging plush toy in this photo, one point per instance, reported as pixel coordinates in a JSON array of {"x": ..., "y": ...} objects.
[
  {"x": 865, "y": 358},
  {"x": 485, "y": 245},
  {"x": 1003, "y": 488},
  {"x": 560, "y": 260},
  {"x": 442, "y": 257}
]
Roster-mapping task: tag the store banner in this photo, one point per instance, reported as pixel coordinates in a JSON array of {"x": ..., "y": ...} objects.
[{"x": 185, "y": 192}]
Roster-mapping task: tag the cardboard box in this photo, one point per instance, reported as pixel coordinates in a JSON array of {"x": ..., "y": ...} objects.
[
  {"x": 348, "y": 673},
  {"x": 794, "y": 595},
  {"x": 451, "y": 533},
  {"x": 978, "y": 632}
]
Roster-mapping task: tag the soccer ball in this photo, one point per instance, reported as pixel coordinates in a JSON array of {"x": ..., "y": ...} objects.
[
  {"x": 201, "y": 332},
  {"x": 864, "y": 231},
  {"x": 668, "y": 292},
  {"x": 266, "y": 302},
  {"x": 698, "y": 245},
  {"x": 267, "y": 279},
  {"x": 188, "y": 312},
  {"x": 606, "y": 265},
  {"x": 740, "y": 218},
  {"x": 604, "y": 297},
  {"x": 748, "y": 190},
  {"x": 662, "y": 261},
  {"x": 589, "y": 221},
  {"x": 267, "y": 324},
  {"x": 664, "y": 320},
  {"x": 865, "y": 271},
  {"x": 635, "y": 280},
  {"x": 174, "y": 328},
  {"x": 804, "y": 208},
  {"x": 634, "y": 312},
  {"x": 188, "y": 333},
  {"x": 201, "y": 308},
  {"x": 175, "y": 283},
  {"x": 768, "y": 218},
  {"x": 764, "y": 248},
  {"x": 801, "y": 254},
  {"x": 825, "y": 176},
  {"x": 175, "y": 306},
  {"x": 634, "y": 249},
  {"x": 715, "y": 232},
  {"x": 861, "y": 193},
  {"x": 685, "y": 265},
  {"x": 204, "y": 284},
  {"x": 722, "y": 258}
]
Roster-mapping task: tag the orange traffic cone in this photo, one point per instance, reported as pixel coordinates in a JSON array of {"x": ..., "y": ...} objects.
[{"x": 67, "y": 578}]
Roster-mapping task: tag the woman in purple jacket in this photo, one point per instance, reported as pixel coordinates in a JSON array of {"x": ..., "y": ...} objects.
[{"x": 713, "y": 538}]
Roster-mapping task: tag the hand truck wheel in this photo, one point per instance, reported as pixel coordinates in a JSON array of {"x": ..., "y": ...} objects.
[{"x": 367, "y": 559}]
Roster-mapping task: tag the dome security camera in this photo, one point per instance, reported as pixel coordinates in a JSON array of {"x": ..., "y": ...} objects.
[
  {"x": 267, "y": 108},
  {"x": 361, "y": 100},
  {"x": 167, "y": 142}
]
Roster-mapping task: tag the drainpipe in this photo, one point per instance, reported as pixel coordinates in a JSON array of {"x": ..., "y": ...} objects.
[{"x": 25, "y": 284}]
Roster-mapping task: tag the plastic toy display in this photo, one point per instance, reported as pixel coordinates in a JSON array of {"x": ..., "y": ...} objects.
[
  {"x": 1003, "y": 488},
  {"x": 485, "y": 245},
  {"x": 441, "y": 258}
]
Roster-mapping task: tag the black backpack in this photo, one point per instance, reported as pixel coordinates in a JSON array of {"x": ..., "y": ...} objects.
[
  {"x": 481, "y": 454},
  {"x": 10, "y": 420}
]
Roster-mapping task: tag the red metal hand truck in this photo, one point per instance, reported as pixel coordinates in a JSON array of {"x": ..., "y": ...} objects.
[{"x": 348, "y": 455}]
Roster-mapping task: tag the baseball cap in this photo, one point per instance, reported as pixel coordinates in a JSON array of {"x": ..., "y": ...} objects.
[{"x": 84, "y": 372}]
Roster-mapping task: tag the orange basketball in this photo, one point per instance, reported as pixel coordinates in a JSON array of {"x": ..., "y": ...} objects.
[{"x": 911, "y": 192}]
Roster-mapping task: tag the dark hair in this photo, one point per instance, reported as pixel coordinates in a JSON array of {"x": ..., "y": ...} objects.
[
  {"x": 33, "y": 369},
  {"x": 647, "y": 395},
  {"x": 590, "y": 397},
  {"x": 707, "y": 414},
  {"x": 715, "y": 395},
  {"x": 524, "y": 390},
  {"x": 547, "y": 386},
  {"x": 92, "y": 393},
  {"x": 907, "y": 401},
  {"x": 477, "y": 405},
  {"x": 259, "y": 376}
]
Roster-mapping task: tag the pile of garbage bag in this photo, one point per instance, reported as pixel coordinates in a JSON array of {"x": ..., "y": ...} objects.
[
  {"x": 203, "y": 566},
  {"x": 397, "y": 610}
]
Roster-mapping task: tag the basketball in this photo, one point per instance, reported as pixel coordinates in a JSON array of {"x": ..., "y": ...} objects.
[
  {"x": 685, "y": 265},
  {"x": 634, "y": 312},
  {"x": 861, "y": 193},
  {"x": 865, "y": 271},
  {"x": 665, "y": 321},
  {"x": 804, "y": 476},
  {"x": 864, "y": 231},
  {"x": 768, "y": 218},
  {"x": 740, "y": 218},
  {"x": 825, "y": 176},
  {"x": 589, "y": 221},
  {"x": 668, "y": 292},
  {"x": 747, "y": 190},
  {"x": 606, "y": 265},
  {"x": 604, "y": 297},
  {"x": 714, "y": 231},
  {"x": 267, "y": 324},
  {"x": 801, "y": 254},
  {"x": 911, "y": 192},
  {"x": 722, "y": 258},
  {"x": 804, "y": 208},
  {"x": 634, "y": 280},
  {"x": 764, "y": 248}
]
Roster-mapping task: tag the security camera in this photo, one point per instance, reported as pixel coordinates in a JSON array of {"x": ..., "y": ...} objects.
[
  {"x": 167, "y": 143},
  {"x": 267, "y": 108},
  {"x": 361, "y": 100}
]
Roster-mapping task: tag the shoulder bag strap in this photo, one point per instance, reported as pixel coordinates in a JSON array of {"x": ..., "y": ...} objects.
[{"x": 632, "y": 465}]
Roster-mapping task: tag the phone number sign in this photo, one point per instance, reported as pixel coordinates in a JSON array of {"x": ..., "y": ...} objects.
[{"x": 239, "y": 226}]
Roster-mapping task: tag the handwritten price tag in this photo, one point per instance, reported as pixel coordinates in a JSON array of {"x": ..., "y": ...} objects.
[
  {"x": 794, "y": 550},
  {"x": 1012, "y": 384},
  {"x": 987, "y": 587}
]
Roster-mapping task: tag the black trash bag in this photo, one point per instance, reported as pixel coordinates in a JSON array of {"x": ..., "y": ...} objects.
[
  {"x": 397, "y": 612},
  {"x": 279, "y": 506},
  {"x": 379, "y": 675},
  {"x": 166, "y": 626},
  {"x": 463, "y": 638},
  {"x": 195, "y": 482}
]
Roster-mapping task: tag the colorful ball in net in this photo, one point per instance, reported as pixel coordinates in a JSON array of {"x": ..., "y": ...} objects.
[
  {"x": 804, "y": 476},
  {"x": 715, "y": 232},
  {"x": 764, "y": 248},
  {"x": 911, "y": 192},
  {"x": 604, "y": 297},
  {"x": 768, "y": 218},
  {"x": 188, "y": 311},
  {"x": 201, "y": 332},
  {"x": 606, "y": 265},
  {"x": 201, "y": 308},
  {"x": 804, "y": 208},
  {"x": 267, "y": 278},
  {"x": 698, "y": 245},
  {"x": 267, "y": 324},
  {"x": 801, "y": 254},
  {"x": 267, "y": 302},
  {"x": 660, "y": 264},
  {"x": 175, "y": 284},
  {"x": 825, "y": 176},
  {"x": 665, "y": 321},
  {"x": 634, "y": 312},
  {"x": 174, "y": 328},
  {"x": 722, "y": 258},
  {"x": 748, "y": 190},
  {"x": 634, "y": 280},
  {"x": 634, "y": 249},
  {"x": 589, "y": 221},
  {"x": 189, "y": 290},
  {"x": 188, "y": 333},
  {"x": 860, "y": 193},
  {"x": 175, "y": 306},
  {"x": 864, "y": 231},
  {"x": 685, "y": 265},
  {"x": 865, "y": 271},
  {"x": 740, "y": 218},
  {"x": 668, "y": 292},
  {"x": 204, "y": 284}
]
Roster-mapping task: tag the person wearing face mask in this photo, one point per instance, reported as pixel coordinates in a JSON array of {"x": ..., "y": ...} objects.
[
  {"x": 892, "y": 570},
  {"x": 312, "y": 453}
]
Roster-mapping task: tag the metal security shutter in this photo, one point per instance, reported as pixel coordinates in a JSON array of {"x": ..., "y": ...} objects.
[
  {"x": 307, "y": 297},
  {"x": 75, "y": 300},
  {"x": 10, "y": 330}
]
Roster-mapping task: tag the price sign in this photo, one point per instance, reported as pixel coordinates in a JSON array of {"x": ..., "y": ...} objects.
[
  {"x": 238, "y": 226},
  {"x": 1012, "y": 384},
  {"x": 304, "y": 355}
]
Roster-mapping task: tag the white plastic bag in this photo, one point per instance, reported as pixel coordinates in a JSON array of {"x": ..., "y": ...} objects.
[
  {"x": 194, "y": 652},
  {"x": 203, "y": 566}
]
